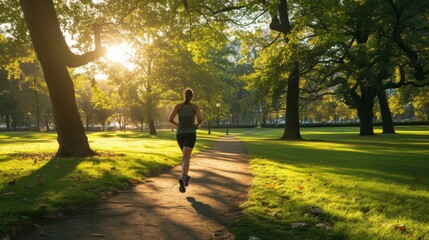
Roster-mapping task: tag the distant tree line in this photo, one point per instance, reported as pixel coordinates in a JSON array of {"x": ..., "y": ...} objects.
[{"x": 248, "y": 62}]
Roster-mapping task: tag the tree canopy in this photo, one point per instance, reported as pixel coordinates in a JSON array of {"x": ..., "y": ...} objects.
[{"x": 304, "y": 61}]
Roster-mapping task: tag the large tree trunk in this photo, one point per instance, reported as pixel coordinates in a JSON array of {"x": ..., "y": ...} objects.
[
  {"x": 14, "y": 123},
  {"x": 55, "y": 56},
  {"x": 8, "y": 122},
  {"x": 152, "y": 127},
  {"x": 386, "y": 115},
  {"x": 365, "y": 112},
  {"x": 47, "y": 123},
  {"x": 292, "y": 131},
  {"x": 280, "y": 23},
  {"x": 150, "y": 109},
  {"x": 37, "y": 105},
  {"x": 87, "y": 122}
]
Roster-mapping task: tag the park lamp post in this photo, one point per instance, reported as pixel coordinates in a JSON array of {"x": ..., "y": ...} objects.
[
  {"x": 218, "y": 107},
  {"x": 210, "y": 132},
  {"x": 28, "y": 121},
  {"x": 227, "y": 123}
]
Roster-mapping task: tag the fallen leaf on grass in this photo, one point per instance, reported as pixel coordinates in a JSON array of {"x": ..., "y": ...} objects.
[
  {"x": 43, "y": 206},
  {"x": 324, "y": 225},
  {"x": 40, "y": 181},
  {"x": 270, "y": 185},
  {"x": 30, "y": 156},
  {"x": 400, "y": 227},
  {"x": 12, "y": 182},
  {"x": 298, "y": 224},
  {"x": 300, "y": 188},
  {"x": 315, "y": 210},
  {"x": 253, "y": 238},
  {"x": 8, "y": 193},
  {"x": 275, "y": 213}
]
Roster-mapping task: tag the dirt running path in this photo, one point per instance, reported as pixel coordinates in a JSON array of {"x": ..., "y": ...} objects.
[{"x": 157, "y": 210}]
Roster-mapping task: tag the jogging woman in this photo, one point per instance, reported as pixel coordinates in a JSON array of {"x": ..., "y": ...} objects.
[{"x": 186, "y": 132}]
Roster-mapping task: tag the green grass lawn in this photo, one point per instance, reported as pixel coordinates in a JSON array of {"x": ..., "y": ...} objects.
[
  {"x": 33, "y": 183},
  {"x": 337, "y": 185},
  {"x": 333, "y": 185}
]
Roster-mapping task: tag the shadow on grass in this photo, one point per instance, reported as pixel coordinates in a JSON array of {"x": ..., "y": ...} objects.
[
  {"x": 57, "y": 188},
  {"x": 279, "y": 225},
  {"x": 386, "y": 176},
  {"x": 30, "y": 195},
  {"x": 20, "y": 141},
  {"x": 134, "y": 135},
  {"x": 27, "y": 135},
  {"x": 386, "y": 154}
]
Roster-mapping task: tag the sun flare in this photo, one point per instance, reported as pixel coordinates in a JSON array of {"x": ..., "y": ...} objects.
[
  {"x": 121, "y": 54},
  {"x": 116, "y": 54}
]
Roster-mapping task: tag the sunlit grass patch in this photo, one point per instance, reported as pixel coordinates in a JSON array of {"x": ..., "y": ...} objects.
[
  {"x": 34, "y": 183},
  {"x": 337, "y": 185}
]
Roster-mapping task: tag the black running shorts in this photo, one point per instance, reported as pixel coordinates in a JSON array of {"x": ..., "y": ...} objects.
[{"x": 186, "y": 140}]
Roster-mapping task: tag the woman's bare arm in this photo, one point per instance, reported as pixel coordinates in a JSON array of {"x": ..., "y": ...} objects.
[
  {"x": 173, "y": 115},
  {"x": 199, "y": 116}
]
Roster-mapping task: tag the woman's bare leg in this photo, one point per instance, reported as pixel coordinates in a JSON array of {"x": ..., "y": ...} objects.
[{"x": 186, "y": 158}]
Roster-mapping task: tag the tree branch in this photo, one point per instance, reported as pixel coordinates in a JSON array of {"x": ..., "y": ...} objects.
[
  {"x": 280, "y": 22},
  {"x": 269, "y": 44},
  {"x": 74, "y": 60},
  {"x": 226, "y": 9},
  {"x": 403, "y": 81},
  {"x": 121, "y": 20},
  {"x": 409, "y": 51}
]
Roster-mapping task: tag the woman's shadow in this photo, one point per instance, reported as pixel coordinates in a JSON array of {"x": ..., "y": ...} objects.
[{"x": 206, "y": 211}]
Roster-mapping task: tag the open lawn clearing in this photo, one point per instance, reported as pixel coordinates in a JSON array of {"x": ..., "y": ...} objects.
[{"x": 337, "y": 185}]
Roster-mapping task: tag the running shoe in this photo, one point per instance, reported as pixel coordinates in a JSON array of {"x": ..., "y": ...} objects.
[
  {"x": 187, "y": 178},
  {"x": 182, "y": 187}
]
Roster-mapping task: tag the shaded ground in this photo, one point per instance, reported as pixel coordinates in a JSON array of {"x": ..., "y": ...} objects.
[{"x": 157, "y": 210}]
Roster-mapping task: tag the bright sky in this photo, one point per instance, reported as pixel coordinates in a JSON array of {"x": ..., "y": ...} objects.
[{"x": 121, "y": 54}]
